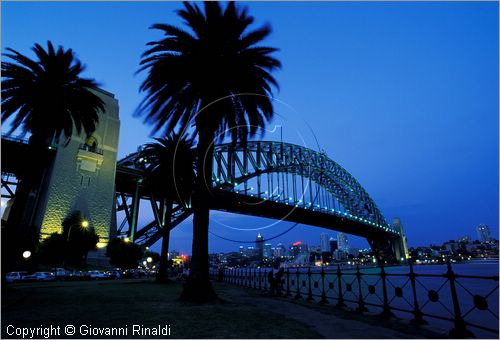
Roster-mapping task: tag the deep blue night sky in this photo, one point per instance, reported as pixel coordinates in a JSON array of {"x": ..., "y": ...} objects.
[{"x": 402, "y": 95}]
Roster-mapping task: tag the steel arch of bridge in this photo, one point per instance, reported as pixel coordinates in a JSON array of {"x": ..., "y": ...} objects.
[
  {"x": 293, "y": 175},
  {"x": 332, "y": 190}
]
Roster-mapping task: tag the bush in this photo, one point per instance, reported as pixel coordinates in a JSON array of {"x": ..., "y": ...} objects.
[{"x": 123, "y": 254}]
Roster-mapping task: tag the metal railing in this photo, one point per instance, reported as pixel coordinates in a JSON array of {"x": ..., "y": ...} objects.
[{"x": 466, "y": 301}]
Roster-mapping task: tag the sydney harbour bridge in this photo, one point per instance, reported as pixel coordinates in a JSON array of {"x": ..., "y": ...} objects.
[{"x": 276, "y": 180}]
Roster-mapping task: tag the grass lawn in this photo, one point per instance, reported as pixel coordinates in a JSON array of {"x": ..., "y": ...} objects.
[{"x": 128, "y": 302}]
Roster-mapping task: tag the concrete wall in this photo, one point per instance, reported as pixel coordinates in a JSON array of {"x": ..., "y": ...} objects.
[{"x": 84, "y": 180}]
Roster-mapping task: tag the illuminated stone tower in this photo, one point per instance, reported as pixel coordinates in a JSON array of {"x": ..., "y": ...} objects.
[
  {"x": 82, "y": 177},
  {"x": 400, "y": 246}
]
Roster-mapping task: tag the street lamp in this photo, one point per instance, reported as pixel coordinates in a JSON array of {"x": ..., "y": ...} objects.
[
  {"x": 149, "y": 259},
  {"x": 83, "y": 224},
  {"x": 26, "y": 254}
]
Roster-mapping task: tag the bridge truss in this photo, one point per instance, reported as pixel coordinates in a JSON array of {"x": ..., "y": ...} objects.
[{"x": 269, "y": 179}]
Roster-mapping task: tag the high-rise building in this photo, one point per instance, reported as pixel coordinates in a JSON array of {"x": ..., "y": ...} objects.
[
  {"x": 343, "y": 243},
  {"x": 483, "y": 233},
  {"x": 267, "y": 253},
  {"x": 280, "y": 250},
  {"x": 251, "y": 252},
  {"x": 259, "y": 245},
  {"x": 298, "y": 248},
  {"x": 324, "y": 244},
  {"x": 333, "y": 245}
]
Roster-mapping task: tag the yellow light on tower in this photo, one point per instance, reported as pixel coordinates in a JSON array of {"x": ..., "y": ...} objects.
[{"x": 85, "y": 223}]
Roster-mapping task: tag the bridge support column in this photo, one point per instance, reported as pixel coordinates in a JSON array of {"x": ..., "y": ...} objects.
[{"x": 135, "y": 211}]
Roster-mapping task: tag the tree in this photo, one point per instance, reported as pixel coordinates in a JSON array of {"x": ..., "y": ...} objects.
[
  {"x": 52, "y": 250},
  {"x": 218, "y": 79},
  {"x": 170, "y": 173},
  {"x": 80, "y": 238},
  {"x": 46, "y": 98},
  {"x": 123, "y": 254}
]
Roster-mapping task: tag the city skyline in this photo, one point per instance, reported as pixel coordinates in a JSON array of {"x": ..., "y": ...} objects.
[{"x": 403, "y": 96}]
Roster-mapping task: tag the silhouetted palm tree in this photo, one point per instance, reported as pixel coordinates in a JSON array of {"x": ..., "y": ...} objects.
[
  {"x": 47, "y": 98},
  {"x": 170, "y": 168},
  {"x": 217, "y": 78}
]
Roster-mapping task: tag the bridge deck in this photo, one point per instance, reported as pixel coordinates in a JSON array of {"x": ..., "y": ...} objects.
[{"x": 236, "y": 203}]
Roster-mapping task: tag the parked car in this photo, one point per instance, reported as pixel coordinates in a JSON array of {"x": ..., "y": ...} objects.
[
  {"x": 45, "y": 276},
  {"x": 114, "y": 274},
  {"x": 29, "y": 278},
  {"x": 15, "y": 276},
  {"x": 98, "y": 275},
  {"x": 78, "y": 275},
  {"x": 60, "y": 273}
]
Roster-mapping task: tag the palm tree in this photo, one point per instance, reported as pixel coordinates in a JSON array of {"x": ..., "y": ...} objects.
[
  {"x": 170, "y": 163},
  {"x": 216, "y": 78},
  {"x": 46, "y": 98}
]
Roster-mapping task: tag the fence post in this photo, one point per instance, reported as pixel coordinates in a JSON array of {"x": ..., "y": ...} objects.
[
  {"x": 297, "y": 294},
  {"x": 288, "y": 282},
  {"x": 323, "y": 292},
  {"x": 265, "y": 279},
  {"x": 361, "y": 304},
  {"x": 460, "y": 330},
  {"x": 418, "y": 319},
  {"x": 309, "y": 292},
  {"x": 254, "y": 274},
  {"x": 260, "y": 281},
  {"x": 340, "y": 300},
  {"x": 387, "y": 309}
]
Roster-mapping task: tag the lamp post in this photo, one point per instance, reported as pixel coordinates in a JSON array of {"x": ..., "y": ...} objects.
[{"x": 82, "y": 224}]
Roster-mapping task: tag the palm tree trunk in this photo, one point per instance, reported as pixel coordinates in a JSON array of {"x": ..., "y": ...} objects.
[
  {"x": 198, "y": 287},
  {"x": 166, "y": 220}
]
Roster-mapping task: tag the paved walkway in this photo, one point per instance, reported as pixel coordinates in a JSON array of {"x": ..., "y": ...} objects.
[{"x": 326, "y": 320}]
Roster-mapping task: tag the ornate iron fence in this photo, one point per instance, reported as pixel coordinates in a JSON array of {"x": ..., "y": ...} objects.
[{"x": 468, "y": 302}]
